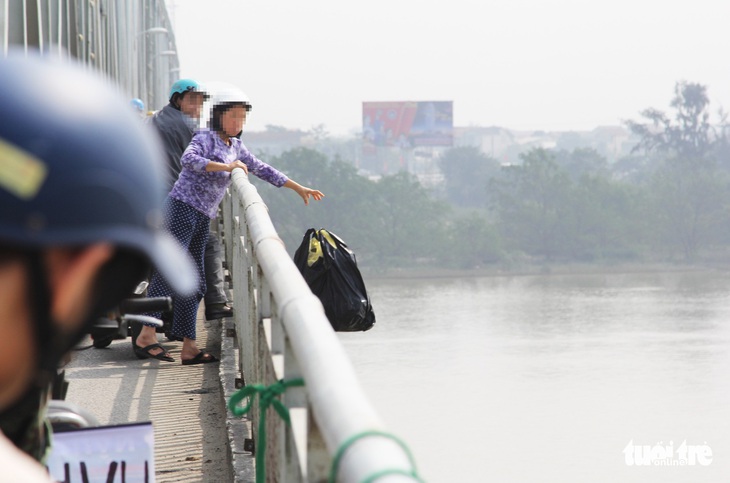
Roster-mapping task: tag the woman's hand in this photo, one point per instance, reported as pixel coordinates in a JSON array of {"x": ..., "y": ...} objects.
[
  {"x": 237, "y": 164},
  {"x": 304, "y": 192},
  {"x": 215, "y": 166}
]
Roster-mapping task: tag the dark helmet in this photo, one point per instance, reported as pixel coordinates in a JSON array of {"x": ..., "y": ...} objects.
[{"x": 77, "y": 167}]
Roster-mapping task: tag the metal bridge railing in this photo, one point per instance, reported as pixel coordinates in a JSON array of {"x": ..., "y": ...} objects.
[
  {"x": 283, "y": 333},
  {"x": 132, "y": 42}
]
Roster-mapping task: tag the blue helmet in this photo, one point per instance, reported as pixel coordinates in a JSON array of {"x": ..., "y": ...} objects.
[
  {"x": 185, "y": 85},
  {"x": 137, "y": 104}
]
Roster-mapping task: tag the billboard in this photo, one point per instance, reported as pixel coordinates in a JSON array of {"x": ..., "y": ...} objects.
[{"x": 408, "y": 124}]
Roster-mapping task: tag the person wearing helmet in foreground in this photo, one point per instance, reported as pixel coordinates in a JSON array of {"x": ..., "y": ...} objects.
[
  {"x": 176, "y": 124},
  {"x": 80, "y": 189},
  {"x": 207, "y": 164}
]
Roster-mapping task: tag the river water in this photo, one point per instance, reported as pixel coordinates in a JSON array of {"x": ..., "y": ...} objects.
[{"x": 554, "y": 378}]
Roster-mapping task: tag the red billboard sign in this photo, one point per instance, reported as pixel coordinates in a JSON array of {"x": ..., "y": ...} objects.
[{"x": 408, "y": 124}]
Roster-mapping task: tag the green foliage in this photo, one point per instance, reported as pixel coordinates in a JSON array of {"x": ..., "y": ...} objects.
[
  {"x": 688, "y": 191},
  {"x": 606, "y": 220},
  {"x": 410, "y": 222},
  {"x": 564, "y": 205},
  {"x": 688, "y": 203},
  {"x": 689, "y": 134},
  {"x": 349, "y": 200},
  {"x": 467, "y": 174},
  {"x": 549, "y": 214},
  {"x": 394, "y": 219},
  {"x": 534, "y": 205},
  {"x": 581, "y": 162},
  {"x": 471, "y": 242}
]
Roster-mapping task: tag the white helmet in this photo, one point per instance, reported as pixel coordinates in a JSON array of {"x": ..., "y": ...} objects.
[{"x": 223, "y": 93}]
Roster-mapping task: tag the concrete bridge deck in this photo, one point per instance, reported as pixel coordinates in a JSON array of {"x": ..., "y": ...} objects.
[{"x": 185, "y": 403}]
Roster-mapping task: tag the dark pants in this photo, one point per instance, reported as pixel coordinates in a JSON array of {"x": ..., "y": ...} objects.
[
  {"x": 214, "y": 275},
  {"x": 190, "y": 227}
]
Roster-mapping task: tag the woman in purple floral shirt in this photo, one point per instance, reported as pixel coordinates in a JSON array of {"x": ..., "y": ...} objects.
[{"x": 193, "y": 201}]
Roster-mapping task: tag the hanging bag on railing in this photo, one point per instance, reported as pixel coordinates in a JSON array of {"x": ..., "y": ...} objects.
[{"x": 330, "y": 269}]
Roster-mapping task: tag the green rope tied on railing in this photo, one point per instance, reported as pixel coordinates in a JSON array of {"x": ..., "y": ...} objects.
[
  {"x": 268, "y": 396},
  {"x": 370, "y": 478}
]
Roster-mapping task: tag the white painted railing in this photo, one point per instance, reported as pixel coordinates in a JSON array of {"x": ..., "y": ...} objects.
[{"x": 283, "y": 333}]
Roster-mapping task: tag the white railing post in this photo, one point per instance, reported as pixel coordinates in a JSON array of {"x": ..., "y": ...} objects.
[{"x": 290, "y": 334}]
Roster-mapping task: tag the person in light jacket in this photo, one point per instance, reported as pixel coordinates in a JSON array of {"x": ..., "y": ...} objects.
[
  {"x": 176, "y": 123},
  {"x": 207, "y": 164}
]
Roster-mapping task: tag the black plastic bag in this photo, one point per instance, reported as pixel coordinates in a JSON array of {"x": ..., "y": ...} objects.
[{"x": 330, "y": 269}]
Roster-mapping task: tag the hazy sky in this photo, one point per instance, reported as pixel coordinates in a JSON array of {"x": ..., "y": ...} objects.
[{"x": 519, "y": 64}]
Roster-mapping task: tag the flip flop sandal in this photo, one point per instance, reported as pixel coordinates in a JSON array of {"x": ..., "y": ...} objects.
[
  {"x": 144, "y": 352},
  {"x": 202, "y": 358}
]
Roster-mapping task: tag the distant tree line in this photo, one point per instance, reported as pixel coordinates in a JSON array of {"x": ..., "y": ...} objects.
[{"x": 668, "y": 201}]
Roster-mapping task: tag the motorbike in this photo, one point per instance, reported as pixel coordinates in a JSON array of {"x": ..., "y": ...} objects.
[{"x": 127, "y": 320}]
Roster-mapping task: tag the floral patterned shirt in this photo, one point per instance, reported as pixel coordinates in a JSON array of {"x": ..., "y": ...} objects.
[{"x": 204, "y": 190}]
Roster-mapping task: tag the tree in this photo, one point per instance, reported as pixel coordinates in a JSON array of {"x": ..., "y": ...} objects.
[
  {"x": 472, "y": 242},
  {"x": 393, "y": 220},
  {"x": 581, "y": 162},
  {"x": 467, "y": 172},
  {"x": 606, "y": 221},
  {"x": 347, "y": 204},
  {"x": 689, "y": 135},
  {"x": 409, "y": 222},
  {"x": 688, "y": 207},
  {"x": 688, "y": 188},
  {"x": 533, "y": 204},
  {"x": 275, "y": 128},
  {"x": 318, "y": 133}
]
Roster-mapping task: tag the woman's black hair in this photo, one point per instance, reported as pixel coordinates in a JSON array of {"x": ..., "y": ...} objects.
[
  {"x": 176, "y": 98},
  {"x": 215, "y": 123}
]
